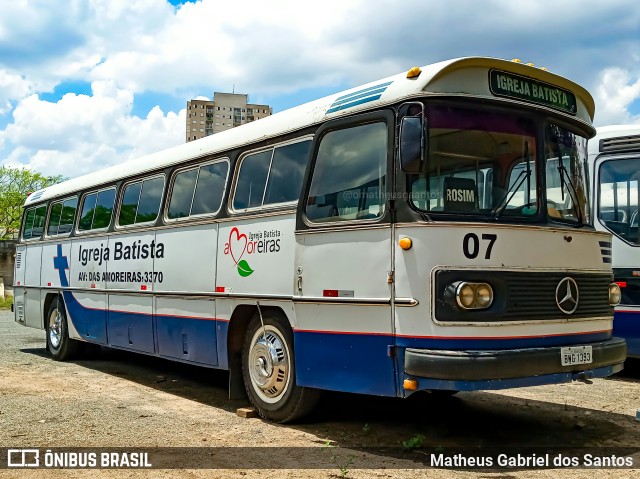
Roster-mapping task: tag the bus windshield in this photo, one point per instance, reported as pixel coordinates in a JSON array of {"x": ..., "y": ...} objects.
[{"x": 485, "y": 163}]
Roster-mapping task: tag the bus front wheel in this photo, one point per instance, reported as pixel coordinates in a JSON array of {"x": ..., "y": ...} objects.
[
  {"x": 58, "y": 341},
  {"x": 268, "y": 370}
]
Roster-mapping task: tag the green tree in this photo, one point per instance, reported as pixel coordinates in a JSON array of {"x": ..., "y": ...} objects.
[{"x": 15, "y": 185}]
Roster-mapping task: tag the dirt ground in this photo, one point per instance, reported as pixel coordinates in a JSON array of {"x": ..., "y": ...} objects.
[{"x": 116, "y": 400}]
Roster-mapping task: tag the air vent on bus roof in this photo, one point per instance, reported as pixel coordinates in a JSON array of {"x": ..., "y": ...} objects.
[{"x": 620, "y": 143}]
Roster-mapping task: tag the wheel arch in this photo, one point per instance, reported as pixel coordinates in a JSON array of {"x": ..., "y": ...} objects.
[
  {"x": 238, "y": 324},
  {"x": 46, "y": 304}
]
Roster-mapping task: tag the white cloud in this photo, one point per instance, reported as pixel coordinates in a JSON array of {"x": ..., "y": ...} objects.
[
  {"x": 12, "y": 87},
  {"x": 126, "y": 48},
  {"x": 82, "y": 133},
  {"x": 253, "y": 44},
  {"x": 616, "y": 92},
  {"x": 154, "y": 133}
]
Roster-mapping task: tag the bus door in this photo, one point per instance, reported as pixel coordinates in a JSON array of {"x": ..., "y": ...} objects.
[{"x": 342, "y": 285}]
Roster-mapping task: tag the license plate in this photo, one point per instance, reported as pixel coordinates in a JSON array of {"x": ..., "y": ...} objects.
[{"x": 576, "y": 355}]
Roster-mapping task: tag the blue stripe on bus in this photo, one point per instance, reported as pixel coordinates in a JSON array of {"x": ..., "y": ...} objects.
[
  {"x": 36, "y": 195},
  {"x": 188, "y": 339},
  {"x": 361, "y": 363},
  {"x": 626, "y": 324},
  {"x": 90, "y": 323},
  {"x": 349, "y": 105},
  {"x": 357, "y": 363},
  {"x": 370, "y": 96},
  {"x": 358, "y": 97},
  {"x": 364, "y": 90}
]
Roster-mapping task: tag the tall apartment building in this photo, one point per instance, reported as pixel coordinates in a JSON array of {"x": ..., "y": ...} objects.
[{"x": 225, "y": 111}]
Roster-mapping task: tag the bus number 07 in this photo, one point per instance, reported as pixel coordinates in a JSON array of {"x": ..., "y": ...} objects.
[{"x": 471, "y": 245}]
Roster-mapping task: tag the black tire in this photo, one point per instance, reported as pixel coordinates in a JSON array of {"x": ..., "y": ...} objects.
[
  {"x": 268, "y": 371},
  {"x": 59, "y": 344}
]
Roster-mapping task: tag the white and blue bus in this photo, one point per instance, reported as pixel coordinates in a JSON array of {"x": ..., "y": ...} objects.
[
  {"x": 417, "y": 233},
  {"x": 614, "y": 157}
]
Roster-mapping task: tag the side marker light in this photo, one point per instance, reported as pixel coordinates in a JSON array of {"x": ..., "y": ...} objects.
[
  {"x": 410, "y": 384},
  {"x": 405, "y": 243}
]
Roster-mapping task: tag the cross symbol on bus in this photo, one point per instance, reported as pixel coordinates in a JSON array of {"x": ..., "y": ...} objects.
[{"x": 61, "y": 264}]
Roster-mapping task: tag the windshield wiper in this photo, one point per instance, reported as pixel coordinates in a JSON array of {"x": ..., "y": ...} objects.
[
  {"x": 572, "y": 190},
  {"x": 524, "y": 175}
]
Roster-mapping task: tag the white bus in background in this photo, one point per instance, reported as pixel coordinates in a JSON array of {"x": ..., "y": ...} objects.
[
  {"x": 393, "y": 238},
  {"x": 614, "y": 158}
]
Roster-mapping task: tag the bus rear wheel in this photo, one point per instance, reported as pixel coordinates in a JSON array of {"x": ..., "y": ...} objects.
[
  {"x": 58, "y": 342},
  {"x": 268, "y": 370}
]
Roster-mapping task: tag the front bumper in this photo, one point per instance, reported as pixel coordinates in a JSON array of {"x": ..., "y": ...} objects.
[{"x": 489, "y": 365}]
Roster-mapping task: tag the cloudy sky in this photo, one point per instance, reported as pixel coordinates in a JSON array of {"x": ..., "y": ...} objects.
[{"x": 90, "y": 83}]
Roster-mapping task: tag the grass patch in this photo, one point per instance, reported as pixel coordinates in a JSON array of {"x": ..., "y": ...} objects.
[{"x": 5, "y": 303}]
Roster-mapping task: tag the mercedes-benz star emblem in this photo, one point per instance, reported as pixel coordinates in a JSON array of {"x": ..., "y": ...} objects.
[{"x": 567, "y": 295}]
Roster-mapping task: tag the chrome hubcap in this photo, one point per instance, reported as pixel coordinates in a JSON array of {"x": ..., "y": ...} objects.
[
  {"x": 55, "y": 328},
  {"x": 269, "y": 364}
]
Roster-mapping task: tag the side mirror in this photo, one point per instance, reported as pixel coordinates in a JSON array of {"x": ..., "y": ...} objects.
[{"x": 412, "y": 144}]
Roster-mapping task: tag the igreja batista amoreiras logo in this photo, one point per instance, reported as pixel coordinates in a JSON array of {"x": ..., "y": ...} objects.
[{"x": 240, "y": 244}]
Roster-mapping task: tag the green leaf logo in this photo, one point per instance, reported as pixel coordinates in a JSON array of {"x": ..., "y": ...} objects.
[{"x": 244, "y": 269}]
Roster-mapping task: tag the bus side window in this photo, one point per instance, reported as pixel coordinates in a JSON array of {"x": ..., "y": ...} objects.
[
  {"x": 104, "y": 208},
  {"x": 61, "y": 217},
  {"x": 97, "y": 208},
  {"x": 34, "y": 222},
  {"x": 252, "y": 179},
  {"x": 287, "y": 172},
  {"x": 184, "y": 185},
  {"x": 210, "y": 187},
  {"x": 271, "y": 177},
  {"x": 141, "y": 201},
  {"x": 86, "y": 216},
  {"x": 68, "y": 216},
  {"x": 349, "y": 177},
  {"x": 198, "y": 191},
  {"x": 54, "y": 218}
]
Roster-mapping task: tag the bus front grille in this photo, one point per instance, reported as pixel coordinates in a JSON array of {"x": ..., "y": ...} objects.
[{"x": 525, "y": 296}]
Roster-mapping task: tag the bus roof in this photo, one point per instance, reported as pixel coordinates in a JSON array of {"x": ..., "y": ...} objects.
[
  {"x": 460, "y": 76},
  {"x": 615, "y": 139}
]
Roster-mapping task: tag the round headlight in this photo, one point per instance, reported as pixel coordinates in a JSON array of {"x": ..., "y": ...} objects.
[
  {"x": 484, "y": 295},
  {"x": 615, "y": 295},
  {"x": 465, "y": 295}
]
